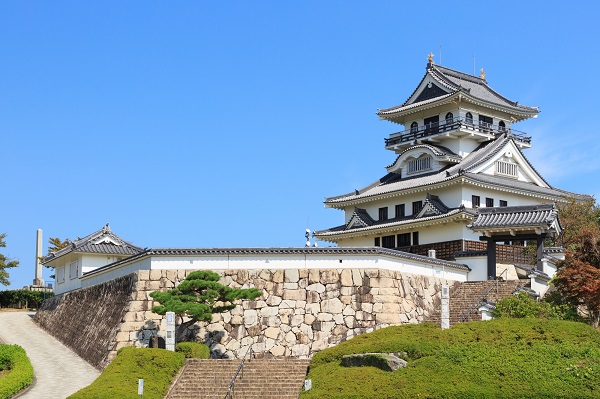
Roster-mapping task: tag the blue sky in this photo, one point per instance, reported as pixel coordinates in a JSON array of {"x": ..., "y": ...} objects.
[{"x": 225, "y": 124}]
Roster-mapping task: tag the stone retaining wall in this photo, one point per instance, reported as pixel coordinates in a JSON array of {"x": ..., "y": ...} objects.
[
  {"x": 301, "y": 311},
  {"x": 87, "y": 320}
]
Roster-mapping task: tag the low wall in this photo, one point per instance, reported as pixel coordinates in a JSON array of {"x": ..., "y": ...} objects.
[
  {"x": 87, "y": 320},
  {"x": 301, "y": 311}
]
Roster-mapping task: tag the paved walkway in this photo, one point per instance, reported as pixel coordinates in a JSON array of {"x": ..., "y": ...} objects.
[{"x": 59, "y": 372}]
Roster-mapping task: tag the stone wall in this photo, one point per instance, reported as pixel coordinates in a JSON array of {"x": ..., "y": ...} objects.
[
  {"x": 300, "y": 312},
  {"x": 87, "y": 320}
]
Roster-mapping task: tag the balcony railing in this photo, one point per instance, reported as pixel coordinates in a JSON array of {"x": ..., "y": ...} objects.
[{"x": 449, "y": 125}]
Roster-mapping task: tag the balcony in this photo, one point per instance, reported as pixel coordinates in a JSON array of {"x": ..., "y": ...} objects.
[{"x": 455, "y": 127}]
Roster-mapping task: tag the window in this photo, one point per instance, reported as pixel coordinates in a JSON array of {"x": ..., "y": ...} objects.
[
  {"x": 449, "y": 117},
  {"x": 400, "y": 210},
  {"x": 485, "y": 122},
  {"x": 489, "y": 202},
  {"x": 415, "y": 238},
  {"x": 388, "y": 241},
  {"x": 377, "y": 241},
  {"x": 414, "y": 127},
  {"x": 419, "y": 164},
  {"x": 506, "y": 168},
  {"x": 404, "y": 240},
  {"x": 383, "y": 213},
  {"x": 60, "y": 275},
  {"x": 432, "y": 124},
  {"x": 502, "y": 126},
  {"x": 469, "y": 118},
  {"x": 73, "y": 270},
  {"x": 503, "y": 203},
  {"x": 417, "y": 206},
  {"x": 476, "y": 201}
]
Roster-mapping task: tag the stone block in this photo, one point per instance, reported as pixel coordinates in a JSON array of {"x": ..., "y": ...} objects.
[
  {"x": 291, "y": 276},
  {"x": 297, "y": 295},
  {"x": 317, "y": 287},
  {"x": 287, "y": 304},
  {"x": 329, "y": 277},
  {"x": 278, "y": 350},
  {"x": 333, "y": 306},
  {"x": 278, "y": 276},
  {"x": 273, "y": 300},
  {"x": 356, "y": 277},
  {"x": 296, "y": 320},
  {"x": 314, "y": 276},
  {"x": 349, "y": 321},
  {"x": 152, "y": 285},
  {"x": 346, "y": 278},
  {"x": 290, "y": 286},
  {"x": 346, "y": 299},
  {"x": 300, "y": 350},
  {"x": 313, "y": 308},
  {"x": 312, "y": 297},
  {"x": 143, "y": 275},
  {"x": 268, "y": 311},
  {"x": 338, "y": 318},
  {"x": 348, "y": 311},
  {"x": 155, "y": 275},
  {"x": 250, "y": 317},
  {"x": 387, "y": 318},
  {"x": 324, "y": 317}
]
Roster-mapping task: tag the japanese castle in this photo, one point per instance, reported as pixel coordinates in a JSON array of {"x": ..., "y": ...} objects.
[{"x": 460, "y": 182}]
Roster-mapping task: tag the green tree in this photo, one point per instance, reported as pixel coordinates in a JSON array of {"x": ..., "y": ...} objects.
[
  {"x": 5, "y": 263},
  {"x": 578, "y": 275},
  {"x": 198, "y": 297},
  {"x": 55, "y": 244}
]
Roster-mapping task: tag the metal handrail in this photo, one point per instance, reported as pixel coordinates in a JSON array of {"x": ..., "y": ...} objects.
[
  {"x": 453, "y": 124},
  {"x": 231, "y": 389},
  {"x": 467, "y": 313}
]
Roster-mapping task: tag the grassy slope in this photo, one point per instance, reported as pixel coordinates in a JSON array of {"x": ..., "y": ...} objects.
[
  {"x": 157, "y": 367},
  {"x": 504, "y": 358}
]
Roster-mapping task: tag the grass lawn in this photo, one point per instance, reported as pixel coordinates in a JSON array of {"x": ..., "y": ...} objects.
[{"x": 503, "y": 358}]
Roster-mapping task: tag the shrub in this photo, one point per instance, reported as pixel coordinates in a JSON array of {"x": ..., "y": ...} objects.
[
  {"x": 524, "y": 306},
  {"x": 20, "y": 372},
  {"x": 157, "y": 367},
  {"x": 22, "y": 298},
  {"x": 193, "y": 350}
]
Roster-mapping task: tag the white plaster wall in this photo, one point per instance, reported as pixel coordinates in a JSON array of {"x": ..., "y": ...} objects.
[
  {"x": 478, "y": 265},
  {"x": 100, "y": 277},
  {"x": 539, "y": 286}
]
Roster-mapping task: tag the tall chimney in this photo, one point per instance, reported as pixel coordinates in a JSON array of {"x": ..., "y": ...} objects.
[{"x": 38, "y": 263}]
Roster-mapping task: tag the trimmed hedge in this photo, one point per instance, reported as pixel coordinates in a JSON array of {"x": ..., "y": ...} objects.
[
  {"x": 158, "y": 368},
  {"x": 20, "y": 375},
  {"x": 502, "y": 358},
  {"x": 193, "y": 350}
]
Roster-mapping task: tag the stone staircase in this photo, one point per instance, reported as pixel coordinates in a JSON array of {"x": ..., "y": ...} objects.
[
  {"x": 463, "y": 295},
  {"x": 281, "y": 378}
]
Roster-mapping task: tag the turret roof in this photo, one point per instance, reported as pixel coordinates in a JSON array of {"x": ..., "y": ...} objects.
[
  {"x": 453, "y": 82},
  {"x": 103, "y": 241}
]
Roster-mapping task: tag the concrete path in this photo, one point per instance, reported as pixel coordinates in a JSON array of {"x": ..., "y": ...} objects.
[{"x": 59, "y": 372}]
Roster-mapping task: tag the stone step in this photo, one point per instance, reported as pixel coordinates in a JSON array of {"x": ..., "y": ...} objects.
[{"x": 281, "y": 378}]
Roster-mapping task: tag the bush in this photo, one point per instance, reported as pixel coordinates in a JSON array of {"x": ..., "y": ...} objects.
[
  {"x": 524, "y": 306},
  {"x": 20, "y": 372},
  {"x": 193, "y": 350},
  {"x": 22, "y": 298},
  {"x": 485, "y": 359},
  {"x": 157, "y": 367}
]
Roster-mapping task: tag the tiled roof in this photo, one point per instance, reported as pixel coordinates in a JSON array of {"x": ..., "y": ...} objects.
[
  {"x": 529, "y": 216},
  {"x": 103, "y": 241},
  {"x": 437, "y": 150},
  {"x": 279, "y": 251},
  {"x": 396, "y": 222},
  {"x": 393, "y": 182},
  {"x": 469, "y": 85}
]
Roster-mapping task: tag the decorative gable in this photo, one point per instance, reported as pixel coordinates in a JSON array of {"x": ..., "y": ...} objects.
[
  {"x": 360, "y": 218},
  {"x": 433, "y": 206},
  {"x": 510, "y": 162}
]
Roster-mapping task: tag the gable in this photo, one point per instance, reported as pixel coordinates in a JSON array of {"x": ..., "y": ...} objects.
[
  {"x": 510, "y": 162},
  {"x": 430, "y": 91}
]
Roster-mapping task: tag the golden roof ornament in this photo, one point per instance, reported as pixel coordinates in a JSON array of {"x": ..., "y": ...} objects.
[
  {"x": 482, "y": 76},
  {"x": 431, "y": 58}
]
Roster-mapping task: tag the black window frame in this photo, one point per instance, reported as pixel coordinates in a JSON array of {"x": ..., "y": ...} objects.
[
  {"x": 489, "y": 202},
  {"x": 388, "y": 242},
  {"x": 403, "y": 240},
  {"x": 400, "y": 210},
  {"x": 416, "y": 207},
  {"x": 383, "y": 213},
  {"x": 475, "y": 201},
  {"x": 414, "y": 127},
  {"x": 503, "y": 203},
  {"x": 469, "y": 118},
  {"x": 377, "y": 241},
  {"x": 415, "y": 238}
]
